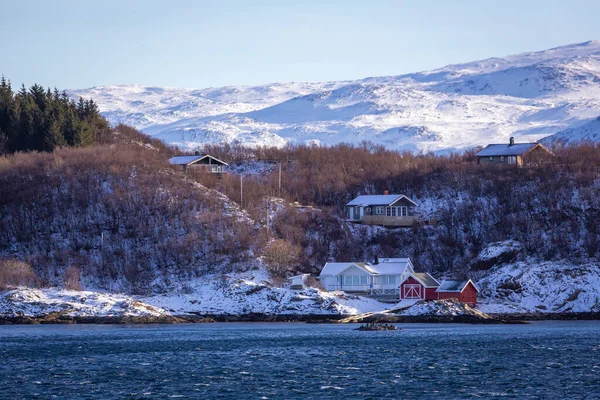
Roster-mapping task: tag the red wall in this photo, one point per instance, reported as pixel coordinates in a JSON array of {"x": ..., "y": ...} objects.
[
  {"x": 430, "y": 293},
  {"x": 468, "y": 295}
]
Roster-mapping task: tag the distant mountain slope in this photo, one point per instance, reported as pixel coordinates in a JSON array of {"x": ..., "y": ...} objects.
[
  {"x": 530, "y": 96},
  {"x": 588, "y": 132}
]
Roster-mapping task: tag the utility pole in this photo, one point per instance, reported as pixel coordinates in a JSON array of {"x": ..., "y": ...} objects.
[
  {"x": 279, "y": 179},
  {"x": 241, "y": 191},
  {"x": 102, "y": 249},
  {"x": 268, "y": 204}
]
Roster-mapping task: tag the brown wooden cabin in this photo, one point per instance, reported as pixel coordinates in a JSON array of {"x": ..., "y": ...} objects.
[
  {"x": 519, "y": 154},
  {"x": 204, "y": 161}
]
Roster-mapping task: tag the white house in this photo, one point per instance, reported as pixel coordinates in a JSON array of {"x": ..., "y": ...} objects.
[{"x": 383, "y": 277}]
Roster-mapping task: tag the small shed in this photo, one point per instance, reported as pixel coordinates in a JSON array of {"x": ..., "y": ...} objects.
[
  {"x": 204, "y": 161},
  {"x": 298, "y": 281},
  {"x": 464, "y": 291},
  {"x": 419, "y": 285}
]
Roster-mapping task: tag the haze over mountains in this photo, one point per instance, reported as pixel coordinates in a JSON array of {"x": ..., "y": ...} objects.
[{"x": 529, "y": 96}]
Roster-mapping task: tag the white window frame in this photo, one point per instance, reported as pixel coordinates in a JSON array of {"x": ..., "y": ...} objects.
[{"x": 379, "y": 210}]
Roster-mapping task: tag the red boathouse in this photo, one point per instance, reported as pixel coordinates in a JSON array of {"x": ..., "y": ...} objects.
[
  {"x": 419, "y": 285},
  {"x": 464, "y": 291}
]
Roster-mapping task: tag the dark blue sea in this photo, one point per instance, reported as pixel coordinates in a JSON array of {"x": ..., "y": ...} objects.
[{"x": 545, "y": 360}]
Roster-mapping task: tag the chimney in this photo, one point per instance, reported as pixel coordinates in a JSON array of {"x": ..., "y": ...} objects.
[
  {"x": 196, "y": 153},
  {"x": 376, "y": 260},
  {"x": 386, "y": 192},
  {"x": 512, "y": 141}
]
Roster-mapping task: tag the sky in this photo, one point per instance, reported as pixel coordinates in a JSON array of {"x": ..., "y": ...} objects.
[{"x": 197, "y": 44}]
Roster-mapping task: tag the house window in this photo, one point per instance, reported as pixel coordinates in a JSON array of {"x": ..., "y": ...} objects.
[
  {"x": 491, "y": 158},
  {"x": 403, "y": 211},
  {"x": 379, "y": 210},
  {"x": 388, "y": 279},
  {"x": 390, "y": 211},
  {"x": 355, "y": 280},
  {"x": 368, "y": 210},
  {"x": 502, "y": 158}
]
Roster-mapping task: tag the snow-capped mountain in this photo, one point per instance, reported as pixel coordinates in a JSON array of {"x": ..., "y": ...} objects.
[
  {"x": 529, "y": 96},
  {"x": 588, "y": 132}
]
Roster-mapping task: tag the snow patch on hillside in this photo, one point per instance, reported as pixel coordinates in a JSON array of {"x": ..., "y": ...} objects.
[
  {"x": 39, "y": 302},
  {"x": 541, "y": 287},
  {"x": 587, "y": 132},
  {"x": 252, "y": 293}
]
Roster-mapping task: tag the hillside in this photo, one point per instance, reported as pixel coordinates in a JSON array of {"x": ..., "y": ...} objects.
[
  {"x": 529, "y": 96},
  {"x": 588, "y": 132}
]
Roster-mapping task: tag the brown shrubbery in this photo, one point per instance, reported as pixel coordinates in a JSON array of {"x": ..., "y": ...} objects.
[
  {"x": 281, "y": 257},
  {"x": 55, "y": 208},
  {"x": 17, "y": 273},
  {"x": 554, "y": 210}
]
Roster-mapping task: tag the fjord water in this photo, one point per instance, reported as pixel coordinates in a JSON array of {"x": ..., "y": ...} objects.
[{"x": 293, "y": 360}]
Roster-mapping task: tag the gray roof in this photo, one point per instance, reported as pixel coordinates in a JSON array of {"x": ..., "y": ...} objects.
[
  {"x": 395, "y": 266},
  {"x": 516, "y": 149},
  {"x": 452, "y": 285},
  {"x": 378, "y": 200},
  {"x": 426, "y": 279},
  {"x": 187, "y": 160}
]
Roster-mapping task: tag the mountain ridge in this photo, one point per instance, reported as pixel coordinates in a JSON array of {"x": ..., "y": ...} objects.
[{"x": 530, "y": 95}]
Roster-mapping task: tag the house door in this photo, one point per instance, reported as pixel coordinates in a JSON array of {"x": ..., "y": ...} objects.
[{"x": 412, "y": 291}]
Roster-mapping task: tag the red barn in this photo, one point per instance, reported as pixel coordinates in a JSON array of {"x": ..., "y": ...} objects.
[
  {"x": 464, "y": 291},
  {"x": 419, "y": 285}
]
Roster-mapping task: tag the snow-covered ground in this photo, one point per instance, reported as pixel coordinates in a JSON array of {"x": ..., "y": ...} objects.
[
  {"x": 213, "y": 294},
  {"x": 509, "y": 288},
  {"x": 529, "y": 96},
  {"x": 541, "y": 287},
  {"x": 39, "y": 302}
]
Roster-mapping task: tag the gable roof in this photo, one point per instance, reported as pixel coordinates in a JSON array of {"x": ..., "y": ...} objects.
[
  {"x": 456, "y": 286},
  {"x": 397, "y": 267},
  {"x": 392, "y": 266},
  {"x": 336, "y": 268},
  {"x": 378, "y": 200},
  {"x": 517, "y": 149},
  {"x": 187, "y": 160},
  {"x": 425, "y": 279}
]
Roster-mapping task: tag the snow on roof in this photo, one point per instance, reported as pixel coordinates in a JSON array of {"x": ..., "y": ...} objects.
[
  {"x": 426, "y": 279},
  {"x": 516, "y": 149},
  {"x": 391, "y": 266},
  {"x": 378, "y": 199},
  {"x": 336, "y": 268},
  {"x": 186, "y": 160},
  {"x": 397, "y": 267},
  {"x": 451, "y": 285}
]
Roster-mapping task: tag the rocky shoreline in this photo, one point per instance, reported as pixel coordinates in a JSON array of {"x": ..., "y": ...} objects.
[{"x": 59, "y": 318}]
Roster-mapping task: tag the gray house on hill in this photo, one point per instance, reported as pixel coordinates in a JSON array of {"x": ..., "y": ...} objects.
[
  {"x": 513, "y": 153},
  {"x": 199, "y": 161},
  {"x": 385, "y": 209}
]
